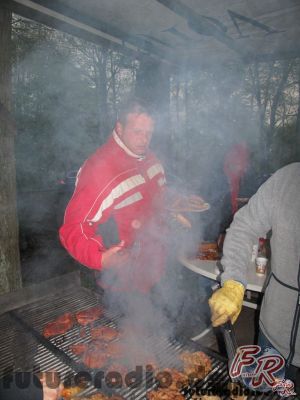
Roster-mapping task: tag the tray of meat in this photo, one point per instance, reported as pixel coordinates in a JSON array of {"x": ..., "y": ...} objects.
[{"x": 208, "y": 251}]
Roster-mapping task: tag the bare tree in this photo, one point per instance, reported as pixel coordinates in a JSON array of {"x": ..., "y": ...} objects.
[
  {"x": 10, "y": 272},
  {"x": 298, "y": 110},
  {"x": 278, "y": 96},
  {"x": 272, "y": 86}
]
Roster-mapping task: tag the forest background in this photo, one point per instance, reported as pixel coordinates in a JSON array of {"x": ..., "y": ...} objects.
[{"x": 66, "y": 94}]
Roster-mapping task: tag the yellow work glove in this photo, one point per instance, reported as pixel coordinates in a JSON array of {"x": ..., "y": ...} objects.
[{"x": 226, "y": 302}]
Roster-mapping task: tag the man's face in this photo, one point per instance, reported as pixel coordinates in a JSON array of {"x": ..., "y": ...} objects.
[{"x": 136, "y": 133}]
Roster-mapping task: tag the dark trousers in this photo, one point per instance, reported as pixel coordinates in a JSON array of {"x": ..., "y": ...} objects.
[
  {"x": 21, "y": 386},
  {"x": 291, "y": 372}
]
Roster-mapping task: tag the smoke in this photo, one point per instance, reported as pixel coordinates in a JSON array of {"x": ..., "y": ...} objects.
[
  {"x": 210, "y": 114},
  {"x": 206, "y": 118},
  {"x": 58, "y": 130},
  {"x": 156, "y": 305}
]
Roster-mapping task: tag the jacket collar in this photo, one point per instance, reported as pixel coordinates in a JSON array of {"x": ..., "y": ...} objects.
[{"x": 125, "y": 148}]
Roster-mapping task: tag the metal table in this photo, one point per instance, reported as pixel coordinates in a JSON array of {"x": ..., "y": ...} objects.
[{"x": 213, "y": 269}]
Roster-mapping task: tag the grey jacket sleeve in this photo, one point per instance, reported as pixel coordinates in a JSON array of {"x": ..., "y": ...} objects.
[{"x": 249, "y": 224}]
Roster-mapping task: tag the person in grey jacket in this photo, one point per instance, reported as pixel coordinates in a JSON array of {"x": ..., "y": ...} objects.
[{"x": 276, "y": 208}]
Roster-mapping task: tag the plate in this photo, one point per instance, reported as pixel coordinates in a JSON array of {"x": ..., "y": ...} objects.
[{"x": 205, "y": 207}]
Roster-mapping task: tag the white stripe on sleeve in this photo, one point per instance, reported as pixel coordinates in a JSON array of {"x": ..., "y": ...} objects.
[
  {"x": 123, "y": 187},
  {"x": 155, "y": 170},
  {"x": 129, "y": 200}
]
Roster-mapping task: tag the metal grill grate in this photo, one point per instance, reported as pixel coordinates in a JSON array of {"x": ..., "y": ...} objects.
[
  {"x": 19, "y": 351},
  {"x": 54, "y": 353}
]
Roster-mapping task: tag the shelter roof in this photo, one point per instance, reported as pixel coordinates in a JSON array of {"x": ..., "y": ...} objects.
[{"x": 180, "y": 32}]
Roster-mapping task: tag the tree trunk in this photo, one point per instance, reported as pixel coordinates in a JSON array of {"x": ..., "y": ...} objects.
[
  {"x": 257, "y": 90},
  {"x": 10, "y": 271},
  {"x": 298, "y": 113},
  {"x": 277, "y": 97},
  {"x": 113, "y": 84},
  {"x": 101, "y": 85},
  {"x": 153, "y": 86}
]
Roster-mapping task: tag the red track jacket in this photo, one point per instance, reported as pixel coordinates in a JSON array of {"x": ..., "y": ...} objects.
[{"x": 115, "y": 184}]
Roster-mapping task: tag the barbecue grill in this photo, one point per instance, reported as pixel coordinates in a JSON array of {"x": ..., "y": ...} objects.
[{"x": 24, "y": 348}]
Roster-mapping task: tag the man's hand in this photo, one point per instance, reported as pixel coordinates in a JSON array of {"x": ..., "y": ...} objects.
[
  {"x": 115, "y": 256},
  {"x": 226, "y": 303},
  {"x": 52, "y": 387}
]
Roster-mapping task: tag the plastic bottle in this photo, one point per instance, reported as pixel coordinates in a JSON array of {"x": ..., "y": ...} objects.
[
  {"x": 261, "y": 259},
  {"x": 262, "y": 248}
]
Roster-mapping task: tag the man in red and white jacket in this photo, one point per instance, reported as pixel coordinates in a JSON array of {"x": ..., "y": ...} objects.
[{"x": 120, "y": 189}]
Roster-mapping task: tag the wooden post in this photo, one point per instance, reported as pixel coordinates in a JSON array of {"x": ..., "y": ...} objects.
[{"x": 10, "y": 270}]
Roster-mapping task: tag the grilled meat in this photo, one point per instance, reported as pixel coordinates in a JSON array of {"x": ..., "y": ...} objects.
[
  {"x": 98, "y": 345},
  {"x": 98, "y": 396},
  {"x": 183, "y": 221},
  {"x": 208, "y": 251},
  {"x": 79, "y": 348},
  {"x": 204, "y": 397},
  {"x": 68, "y": 392},
  {"x": 196, "y": 364},
  {"x": 190, "y": 203},
  {"x": 119, "y": 368},
  {"x": 164, "y": 394},
  {"x": 94, "y": 359},
  {"x": 86, "y": 317},
  {"x": 105, "y": 333},
  {"x": 59, "y": 326},
  {"x": 116, "y": 350},
  {"x": 179, "y": 379},
  {"x": 101, "y": 396}
]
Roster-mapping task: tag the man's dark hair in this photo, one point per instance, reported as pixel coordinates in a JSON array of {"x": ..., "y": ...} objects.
[{"x": 133, "y": 106}]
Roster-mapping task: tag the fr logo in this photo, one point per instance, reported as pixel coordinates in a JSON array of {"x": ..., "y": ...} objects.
[
  {"x": 261, "y": 369},
  {"x": 284, "y": 388}
]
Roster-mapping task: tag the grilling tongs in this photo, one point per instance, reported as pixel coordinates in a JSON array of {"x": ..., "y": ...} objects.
[{"x": 230, "y": 343}]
